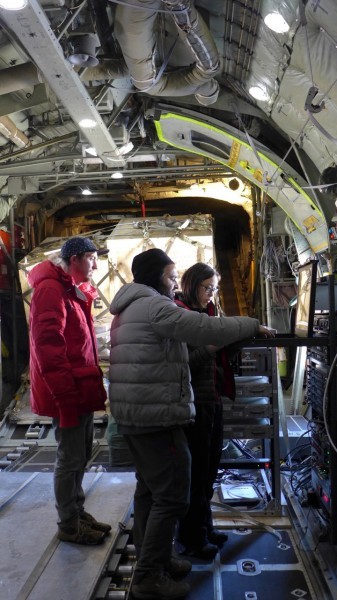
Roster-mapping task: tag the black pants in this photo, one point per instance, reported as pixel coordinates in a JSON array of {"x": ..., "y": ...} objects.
[
  {"x": 163, "y": 464},
  {"x": 205, "y": 438}
]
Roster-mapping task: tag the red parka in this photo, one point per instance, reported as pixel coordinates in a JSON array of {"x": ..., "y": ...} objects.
[{"x": 66, "y": 380}]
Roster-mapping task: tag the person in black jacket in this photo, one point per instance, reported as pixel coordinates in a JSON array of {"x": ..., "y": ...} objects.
[{"x": 211, "y": 378}]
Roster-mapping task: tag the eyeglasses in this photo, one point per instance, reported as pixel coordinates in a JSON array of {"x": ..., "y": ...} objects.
[{"x": 209, "y": 289}]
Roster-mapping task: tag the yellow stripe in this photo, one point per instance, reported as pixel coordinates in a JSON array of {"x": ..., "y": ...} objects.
[{"x": 233, "y": 139}]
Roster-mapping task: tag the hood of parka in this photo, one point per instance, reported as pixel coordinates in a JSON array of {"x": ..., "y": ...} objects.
[
  {"x": 131, "y": 292},
  {"x": 48, "y": 270}
]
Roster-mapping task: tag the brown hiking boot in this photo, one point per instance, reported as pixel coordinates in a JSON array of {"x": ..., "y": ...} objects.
[
  {"x": 82, "y": 534},
  {"x": 159, "y": 587},
  {"x": 88, "y": 519}
]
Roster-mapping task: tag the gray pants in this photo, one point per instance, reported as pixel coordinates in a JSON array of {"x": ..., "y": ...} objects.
[
  {"x": 163, "y": 465},
  {"x": 74, "y": 446}
]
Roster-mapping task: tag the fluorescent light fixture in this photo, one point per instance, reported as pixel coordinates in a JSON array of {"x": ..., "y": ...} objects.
[
  {"x": 258, "y": 92},
  {"x": 87, "y": 123},
  {"x": 117, "y": 175},
  {"x": 13, "y": 4},
  {"x": 90, "y": 149},
  {"x": 86, "y": 192},
  {"x": 276, "y": 22},
  {"x": 126, "y": 148},
  {"x": 52, "y": 251},
  {"x": 185, "y": 224}
]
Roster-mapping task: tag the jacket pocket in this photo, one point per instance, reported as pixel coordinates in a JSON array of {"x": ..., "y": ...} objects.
[{"x": 89, "y": 385}]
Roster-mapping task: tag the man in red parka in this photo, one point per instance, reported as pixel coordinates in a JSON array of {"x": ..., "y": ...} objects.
[{"x": 66, "y": 380}]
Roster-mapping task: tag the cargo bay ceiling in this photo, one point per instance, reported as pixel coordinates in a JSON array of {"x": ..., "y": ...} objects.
[{"x": 169, "y": 94}]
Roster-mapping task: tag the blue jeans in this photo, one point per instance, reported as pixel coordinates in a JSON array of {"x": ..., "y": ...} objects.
[
  {"x": 74, "y": 446},
  {"x": 163, "y": 463}
]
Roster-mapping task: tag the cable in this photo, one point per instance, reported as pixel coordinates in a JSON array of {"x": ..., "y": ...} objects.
[
  {"x": 239, "y": 444},
  {"x": 270, "y": 263},
  {"x": 295, "y": 450},
  {"x": 234, "y": 512},
  {"x": 325, "y": 402}
]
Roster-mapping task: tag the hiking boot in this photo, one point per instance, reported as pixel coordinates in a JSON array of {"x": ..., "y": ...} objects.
[
  {"x": 206, "y": 552},
  {"x": 178, "y": 567},
  {"x": 88, "y": 519},
  {"x": 82, "y": 534},
  {"x": 159, "y": 587},
  {"x": 217, "y": 537}
]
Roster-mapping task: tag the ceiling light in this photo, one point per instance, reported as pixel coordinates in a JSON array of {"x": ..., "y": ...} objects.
[
  {"x": 52, "y": 251},
  {"x": 258, "y": 92},
  {"x": 117, "y": 175},
  {"x": 276, "y": 22},
  {"x": 185, "y": 224},
  {"x": 194, "y": 186},
  {"x": 86, "y": 123},
  {"x": 126, "y": 148},
  {"x": 86, "y": 192},
  {"x": 13, "y": 4},
  {"x": 90, "y": 149}
]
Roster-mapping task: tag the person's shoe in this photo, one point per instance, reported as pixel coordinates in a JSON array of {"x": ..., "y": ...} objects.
[
  {"x": 88, "y": 519},
  {"x": 206, "y": 552},
  {"x": 178, "y": 567},
  {"x": 217, "y": 537},
  {"x": 159, "y": 587},
  {"x": 82, "y": 534}
]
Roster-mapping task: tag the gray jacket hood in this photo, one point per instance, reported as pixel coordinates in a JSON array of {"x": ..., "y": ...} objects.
[{"x": 129, "y": 293}]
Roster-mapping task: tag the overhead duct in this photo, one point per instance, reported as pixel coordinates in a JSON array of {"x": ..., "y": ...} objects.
[
  {"x": 113, "y": 68},
  {"x": 26, "y": 75},
  {"x": 18, "y": 77},
  {"x": 9, "y": 130},
  {"x": 33, "y": 30},
  {"x": 134, "y": 29}
]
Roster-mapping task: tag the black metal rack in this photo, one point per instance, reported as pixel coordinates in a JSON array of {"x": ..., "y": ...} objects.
[{"x": 254, "y": 415}]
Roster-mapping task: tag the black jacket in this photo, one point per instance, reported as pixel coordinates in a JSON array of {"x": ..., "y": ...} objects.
[{"x": 211, "y": 374}]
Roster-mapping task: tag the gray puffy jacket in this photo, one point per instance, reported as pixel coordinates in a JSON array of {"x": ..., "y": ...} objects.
[{"x": 149, "y": 373}]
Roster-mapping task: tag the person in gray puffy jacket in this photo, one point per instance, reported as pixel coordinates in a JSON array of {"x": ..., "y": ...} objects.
[{"x": 151, "y": 400}]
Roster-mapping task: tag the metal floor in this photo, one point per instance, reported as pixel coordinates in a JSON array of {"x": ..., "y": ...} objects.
[
  {"x": 34, "y": 565},
  {"x": 272, "y": 559},
  {"x": 253, "y": 565},
  {"x": 256, "y": 563}
]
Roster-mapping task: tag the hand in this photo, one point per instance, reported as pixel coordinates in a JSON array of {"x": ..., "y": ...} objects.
[{"x": 265, "y": 332}]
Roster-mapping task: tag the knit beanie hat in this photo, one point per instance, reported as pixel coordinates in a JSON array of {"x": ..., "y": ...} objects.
[
  {"x": 79, "y": 245},
  {"x": 147, "y": 267}
]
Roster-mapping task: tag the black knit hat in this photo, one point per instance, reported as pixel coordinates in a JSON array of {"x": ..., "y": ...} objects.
[{"x": 147, "y": 267}]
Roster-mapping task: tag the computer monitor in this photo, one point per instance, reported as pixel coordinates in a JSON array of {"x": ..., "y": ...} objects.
[{"x": 306, "y": 289}]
